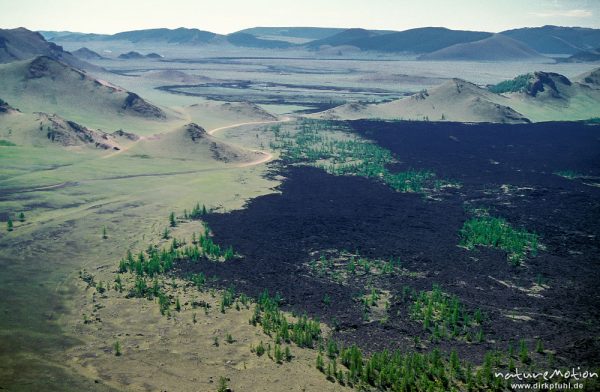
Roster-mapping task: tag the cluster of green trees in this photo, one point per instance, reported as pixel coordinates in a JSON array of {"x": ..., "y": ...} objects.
[
  {"x": 516, "y": 84},
  {"x": 304, "y": 332},
  {"x": 210, "y": 248},
  {"x": 404, "y": 372},
  {"x": 443, "y": 315},
  {"x": 154, "y": 261},
  {"x": 278, "y": 354},
  {"x": 349, "y": 156},
  {"x": 197, "y": 212},
  {"x": 496, "y": 232},
  {"x": 150, "y": 263}
]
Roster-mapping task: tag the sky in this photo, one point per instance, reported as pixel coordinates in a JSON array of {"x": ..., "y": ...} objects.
[{"x": 226, "y": 16}]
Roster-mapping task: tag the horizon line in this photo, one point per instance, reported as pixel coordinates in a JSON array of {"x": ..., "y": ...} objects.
[{"x": 288, "y": 26}]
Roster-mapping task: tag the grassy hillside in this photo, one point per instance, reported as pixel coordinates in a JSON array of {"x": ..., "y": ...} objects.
[
  {"x": 455, "y": 100},
  {"x": 45, "y": 85}
]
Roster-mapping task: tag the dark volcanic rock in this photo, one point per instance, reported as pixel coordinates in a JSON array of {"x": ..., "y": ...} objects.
[
  {"x": 195, "y": 132},
  {"x": 127, "y": 135},
  {"x": 547, "y": 79},
  {"x": 135, "y": 103}
]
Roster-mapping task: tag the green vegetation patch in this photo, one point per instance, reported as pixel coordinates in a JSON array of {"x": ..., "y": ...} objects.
[
  {"x": 6, "y": 143},
  {"x": 305, "y": 332},
  {"x": 348, "y": 155},
  {"x": 444, "y": 315},
  {"x": 517, "y": 84},
  {"x": 496, "y": 232}
]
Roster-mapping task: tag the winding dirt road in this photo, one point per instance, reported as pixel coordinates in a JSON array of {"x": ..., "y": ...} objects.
[{"x": 267, "y": 155}]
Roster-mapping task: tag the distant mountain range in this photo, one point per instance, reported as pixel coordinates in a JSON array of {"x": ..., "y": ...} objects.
[
  {"x": 526, "y": 42},
  {"x": 553, "y": 40}
]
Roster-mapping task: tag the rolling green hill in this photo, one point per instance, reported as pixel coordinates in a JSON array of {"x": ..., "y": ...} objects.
[{"x": 46, "y": 85}]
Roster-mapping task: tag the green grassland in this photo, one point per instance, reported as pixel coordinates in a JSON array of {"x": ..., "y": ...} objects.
[{"x": 68, "y": 196}]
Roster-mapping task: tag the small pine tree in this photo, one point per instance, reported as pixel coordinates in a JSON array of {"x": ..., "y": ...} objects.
[
  {"x": 222, "y": 386},
  {"x": 539, "y": 346},
  {"x": 320, "y": 363},
  {"x": 288, "y": 354},
  {"x": 9, "y": 225},
  {"x": 166, "y": 234},
  {"x": 524, "y": 352},
  {"x": 117, "y": 347},
  {"x": 104, "y": 233},
  {"x": 172, "y": 220},
  {"x": 229, "y": 339},
  {"x": 21, "y": 217},
  {"x": 204, "y": 212},
  {"x": 177, "y": 305},
  {"x": 260, "y": 349}
]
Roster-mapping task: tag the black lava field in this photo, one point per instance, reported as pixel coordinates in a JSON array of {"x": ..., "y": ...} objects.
[{"x": 510, "y": 170}]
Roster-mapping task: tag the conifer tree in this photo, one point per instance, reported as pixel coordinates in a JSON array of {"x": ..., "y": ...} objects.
[{"x": 9, "y": 225}]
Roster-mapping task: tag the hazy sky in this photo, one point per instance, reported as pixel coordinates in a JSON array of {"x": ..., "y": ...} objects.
[{"x": 225, "y": 16}]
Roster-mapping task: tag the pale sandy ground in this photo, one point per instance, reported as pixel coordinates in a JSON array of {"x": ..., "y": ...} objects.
[{"x": 163, "y": 353}]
